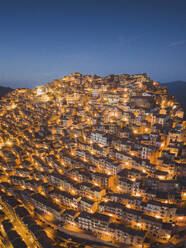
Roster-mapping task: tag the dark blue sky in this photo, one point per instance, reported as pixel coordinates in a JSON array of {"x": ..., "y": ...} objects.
[{"x": 45, "y": 39}]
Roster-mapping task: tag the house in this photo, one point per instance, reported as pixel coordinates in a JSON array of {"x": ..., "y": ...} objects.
[
  {"x": 96, "y": 223},
  {"x": 84, "y": 221},
  {"x": 46, "y": 206},
  {"x": 180, "y": 217},
  {"x": 109, "y": 166},
  {"x": 68, "y": 216},
  {"x": 63, "y": 182},
  {"x": 87, "y": 205},
  {"x": 125, "y": 235},
  {"x": 64, "y": 198},
  {"x": 111, "y": 208},
  {"x": 100, "y": 179},
  {"x": 160, "y": 210},
  {"x": 100, "y": 222},
  {"x": 142, "y": 101},
  {"x": 147, "y": 151},
  {"x": 124, "y": 185},
  {"x": 79, "y": 174},
  {"x": 100, "y": 138}
]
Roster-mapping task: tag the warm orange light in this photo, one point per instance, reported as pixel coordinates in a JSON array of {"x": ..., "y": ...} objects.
[
  {"x": 73, "y": 191},
  {"x": 180, "y": 218},
  {"x": 111, "y": 215},
  {"x": 138, "y": 194},
  {"x": 9, "y": 143},
  {"x": 157, "y": 216},
  {"x": 90, "y": 197},
  {"x": 161, "y": 177}
]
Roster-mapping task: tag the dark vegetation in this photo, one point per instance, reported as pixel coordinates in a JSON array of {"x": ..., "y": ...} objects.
[{"x": 4, "y": 91}]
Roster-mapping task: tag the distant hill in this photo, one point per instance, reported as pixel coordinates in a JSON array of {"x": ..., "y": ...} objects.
[
  {"x": 177, "y": 89},
  {"x": 4, "y": 91}
]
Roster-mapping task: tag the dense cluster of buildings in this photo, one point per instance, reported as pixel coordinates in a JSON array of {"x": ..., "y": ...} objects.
[{"x": 98, "y": 156}]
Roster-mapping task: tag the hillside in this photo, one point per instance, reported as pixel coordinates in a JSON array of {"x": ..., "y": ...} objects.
[
  {"x": 177, "y": 89},
  {"x": 85, "y": 155}
]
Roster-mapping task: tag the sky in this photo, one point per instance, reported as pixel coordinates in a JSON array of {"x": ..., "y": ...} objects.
[{"x": 41, "y": 40}]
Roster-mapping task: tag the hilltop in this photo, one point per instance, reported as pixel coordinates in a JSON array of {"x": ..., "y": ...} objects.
[{"x": 99, "y": 158}]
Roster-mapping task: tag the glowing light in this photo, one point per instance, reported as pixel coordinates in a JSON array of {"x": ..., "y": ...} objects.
[
  {"x": 9, "y": 143},
  {"x": 73, "y": 205},
  {"x": 161, "y": 177},
  {"x": 111, "y": 215},
  {"x": 157, "y": 216},
  {"x": 90, "y": 197},
  {"x": 139, "y": 224},
  {"x": 138, "y": 194},
  {"x": 118, "y": 187},
  {"x": 39, "y": 91},
  {"x": 73, "y": 191},
  {"x": 180, "y": 218},
  {"x": 13, "y": 106}
]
